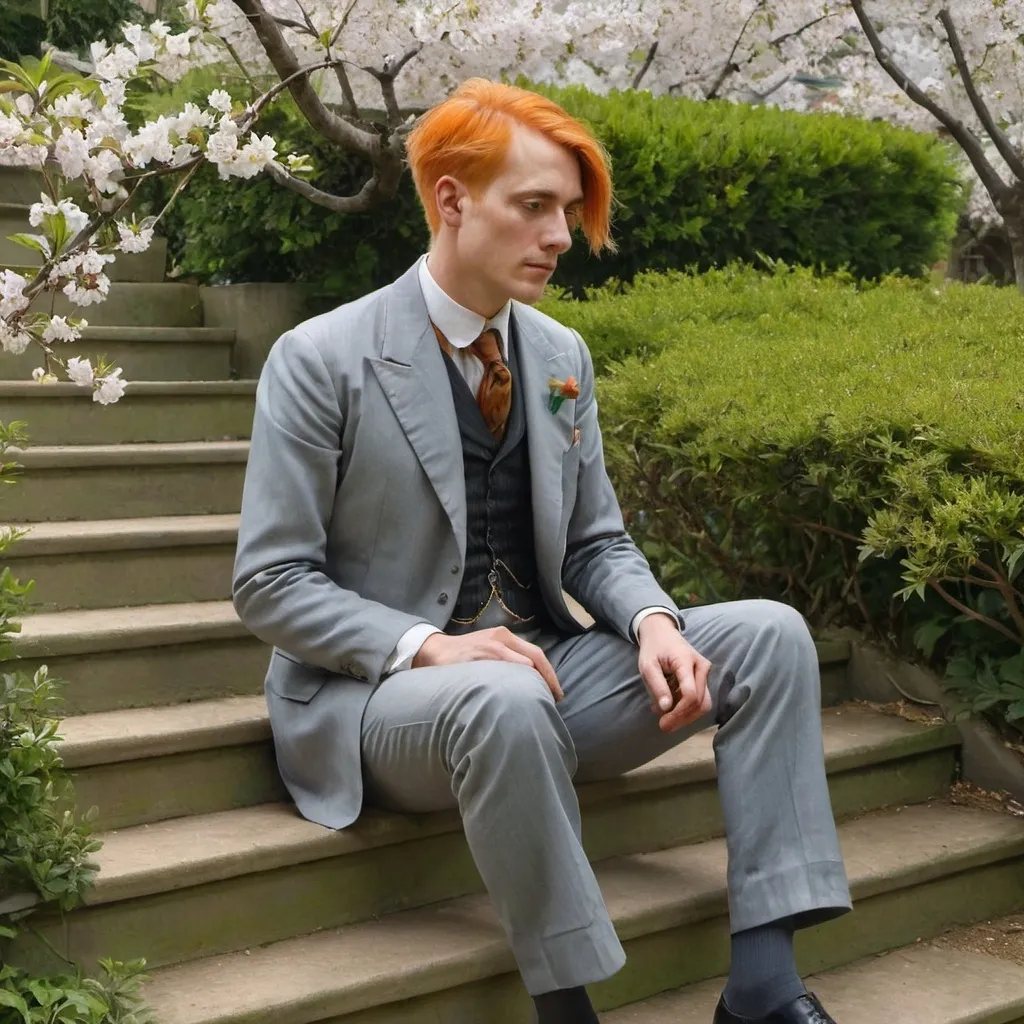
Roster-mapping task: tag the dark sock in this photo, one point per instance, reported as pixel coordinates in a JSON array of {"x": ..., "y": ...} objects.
[
  {"x": 762, "y": 973},
  {"x": 565, "y": 1006}
]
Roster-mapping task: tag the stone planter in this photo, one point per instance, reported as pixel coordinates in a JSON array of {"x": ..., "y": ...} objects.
[
  {"x": 987, "y": 761},
  {"x": 259, "y": 314}
]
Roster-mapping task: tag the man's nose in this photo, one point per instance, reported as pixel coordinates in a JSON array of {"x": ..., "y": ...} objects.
[{"x": 558, "y": 238}]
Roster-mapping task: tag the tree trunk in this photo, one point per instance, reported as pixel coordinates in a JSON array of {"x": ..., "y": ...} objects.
[
  {"x": 1012, "y": 210},
  {"x": 1016, "y": 233}
]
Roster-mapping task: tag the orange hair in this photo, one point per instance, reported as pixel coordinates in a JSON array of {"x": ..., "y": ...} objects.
[{"x": 468, "y": 135}]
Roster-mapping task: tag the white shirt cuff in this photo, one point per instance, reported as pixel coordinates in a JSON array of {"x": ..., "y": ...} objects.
[
  {"x": 634, "y": 626},
  {"x": 408, "y": 647}
]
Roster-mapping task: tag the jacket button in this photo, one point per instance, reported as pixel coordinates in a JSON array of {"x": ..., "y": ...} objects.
[
  {"x": 455, "y": 569},
  {"x": 442, "y": 598}
]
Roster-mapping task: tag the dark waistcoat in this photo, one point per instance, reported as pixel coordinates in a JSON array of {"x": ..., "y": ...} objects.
[{"x": 500, "y": 583}]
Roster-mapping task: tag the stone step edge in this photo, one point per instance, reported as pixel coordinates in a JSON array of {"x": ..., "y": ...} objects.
[
  {"x": 415, "y": 953},
  {"x": 914, "y": 983},
  {"x": 159, "y": 335},
  {"x": 29, "y": 390},
  {"x": 134, "y": 733},
  {"x": 89, "y": 631},
  {"x": 135, "y": 861},
  {"x": 98, "y": 456},
  {"x": 76, "y": 537},
  {"x": 94, "y": 630}
]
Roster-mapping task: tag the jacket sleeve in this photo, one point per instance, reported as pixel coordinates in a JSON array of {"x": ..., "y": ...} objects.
[
  {"x": 603, "y": 568},
  {"x": 280, "y": 588}
]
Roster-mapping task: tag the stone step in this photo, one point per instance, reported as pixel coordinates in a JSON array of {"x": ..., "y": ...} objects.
[
  {"x": 913, "y": 872},
  {"x": 150, "y": 411},
  {"x": 143, "y": 353},
  {"x": 228, "y": 867},
  {"x": 918, "y": 984},
  {"x": 134, "y": 304},
  {"x": 150, "y": 764},
  {"x": 112, "y": 563},
  {"x": 126, "y": 481},
  {"x": 134, "y": 657}
]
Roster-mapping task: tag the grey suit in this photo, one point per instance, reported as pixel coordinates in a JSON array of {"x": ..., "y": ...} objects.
[{"x": 353, "y": 530}]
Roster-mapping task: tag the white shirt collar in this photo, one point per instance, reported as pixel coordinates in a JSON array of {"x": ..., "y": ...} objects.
[{"x": 459, "y": 325}]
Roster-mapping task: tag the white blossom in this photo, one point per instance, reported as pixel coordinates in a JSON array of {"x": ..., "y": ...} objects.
[
  {"x": 120, "y": 62},
  {"x": 73, "y": 105},
  {"x": 79, "y": 371},
  {"x": 110, "y": 389},
  {"x": 13, "y": 339},
  {"x": 134, "y": 240},
  {"x": 152, "y": 142},
  {"x": 59, "y": 329},
  {"x": 71, "y": 151},
  {"x": 40, "y": 376},
  {"x": 220, "y": 100},
  {"x": 12, "y": 297},
  {"x": 105, "y": 169}
]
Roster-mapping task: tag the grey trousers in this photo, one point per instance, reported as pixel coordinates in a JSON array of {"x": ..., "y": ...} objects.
[{"x": 488, "y": 738}]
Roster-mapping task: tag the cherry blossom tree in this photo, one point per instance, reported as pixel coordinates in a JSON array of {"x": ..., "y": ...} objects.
[{"x": 360, "y": 71}]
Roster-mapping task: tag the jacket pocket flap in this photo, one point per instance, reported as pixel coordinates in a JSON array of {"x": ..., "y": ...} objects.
[{"x": 293, "y": 680}]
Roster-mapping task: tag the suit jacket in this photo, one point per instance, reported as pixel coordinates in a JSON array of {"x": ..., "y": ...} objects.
[{"x": 353, "y": 524}]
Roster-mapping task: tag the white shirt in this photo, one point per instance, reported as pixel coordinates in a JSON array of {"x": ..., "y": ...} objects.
[{"x": 462, "y": 327}]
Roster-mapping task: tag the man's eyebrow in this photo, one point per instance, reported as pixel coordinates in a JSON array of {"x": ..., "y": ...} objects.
[{"x": 546, "y": 193}]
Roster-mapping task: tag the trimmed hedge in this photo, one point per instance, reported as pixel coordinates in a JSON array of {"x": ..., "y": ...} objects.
[
  {"x": 856, "y": 451},
  {"x": 699, "y": 184},
  {"x": 702, "y": 184}
]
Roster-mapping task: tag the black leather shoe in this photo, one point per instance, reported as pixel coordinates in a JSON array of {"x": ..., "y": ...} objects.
[{"x": 805, "y": 1010}]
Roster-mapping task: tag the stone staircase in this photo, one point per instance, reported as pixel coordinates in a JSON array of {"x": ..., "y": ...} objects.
[{"x": 248, "y": 914}]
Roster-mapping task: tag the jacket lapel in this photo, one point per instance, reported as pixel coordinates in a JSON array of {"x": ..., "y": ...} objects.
[
  {"x": 412, "y": 374},
  {"x": 549, "y": 436}
]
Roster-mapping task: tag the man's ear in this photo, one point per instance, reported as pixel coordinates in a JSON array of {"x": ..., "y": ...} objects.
[{"x": 449, "y": 195}]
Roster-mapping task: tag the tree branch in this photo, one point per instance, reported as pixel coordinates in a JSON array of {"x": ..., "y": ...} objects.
[
  {"x": 731, "y": 68},
  {"x": 651, "y": 53},
  {"x": 364, "y": 199},
  {"x": 349, "y": 105},
  {"x": 386, "y": 77},
  {"x": 995, "y": 133},
  {"x": 972, "y": 614},
  {"x": 967, "y": 140},
  {"x": 330, "y": 125}
]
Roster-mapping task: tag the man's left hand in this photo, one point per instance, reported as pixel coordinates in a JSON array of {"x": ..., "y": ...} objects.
[{"x": 675, "y": 675}]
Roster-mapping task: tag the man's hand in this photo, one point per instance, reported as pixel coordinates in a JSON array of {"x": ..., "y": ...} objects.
[
  {"x": 498, "y": 644},
  {"x": 675, "y": 675}
]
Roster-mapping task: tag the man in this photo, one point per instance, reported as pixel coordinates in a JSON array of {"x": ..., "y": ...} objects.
[{"x": 426, "y": 479}]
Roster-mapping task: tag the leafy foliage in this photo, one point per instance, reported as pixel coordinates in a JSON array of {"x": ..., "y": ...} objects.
[
  {"x": 69, "y": 24},
  {"x": 44, "y": 851},
  {"x": 855, "y": 450},
  {"x": 698, "y": 184}
]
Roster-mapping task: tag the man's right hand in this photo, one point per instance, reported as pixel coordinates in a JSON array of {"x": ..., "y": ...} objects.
[{"x": 498, "y": 644}]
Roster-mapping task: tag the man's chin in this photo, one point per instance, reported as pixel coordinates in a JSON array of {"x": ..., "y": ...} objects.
[{"x": 529, "y": 292}]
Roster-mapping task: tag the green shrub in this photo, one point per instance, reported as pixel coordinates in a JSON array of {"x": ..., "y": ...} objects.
[
  {"x": 702, "y": 184},
  {"x": 69, "y": 24},
  {"x": 699, "y": 184},
  {"x": 858, "y": 452}
]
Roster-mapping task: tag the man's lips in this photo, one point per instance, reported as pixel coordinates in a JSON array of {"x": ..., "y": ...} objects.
[{"x": 541, "y": 266}]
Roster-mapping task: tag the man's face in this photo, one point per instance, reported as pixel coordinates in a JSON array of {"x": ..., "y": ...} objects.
[{"x": 513, "y": 231}]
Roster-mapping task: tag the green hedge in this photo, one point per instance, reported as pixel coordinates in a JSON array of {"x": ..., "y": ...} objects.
[
  {"x": 704, "y": 184},
  {"x": 69, "y": 24},
  {"x": 699, "y": 184},
  {"x": 858, "y": 452}
]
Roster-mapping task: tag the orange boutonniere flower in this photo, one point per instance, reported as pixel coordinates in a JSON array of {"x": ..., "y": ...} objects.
[{"x": 560, "y": 390}]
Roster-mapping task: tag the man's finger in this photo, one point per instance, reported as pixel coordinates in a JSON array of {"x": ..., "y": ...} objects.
[
  {"x": 657, "y": 685},
  {"x": 538, "y": 659}
]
